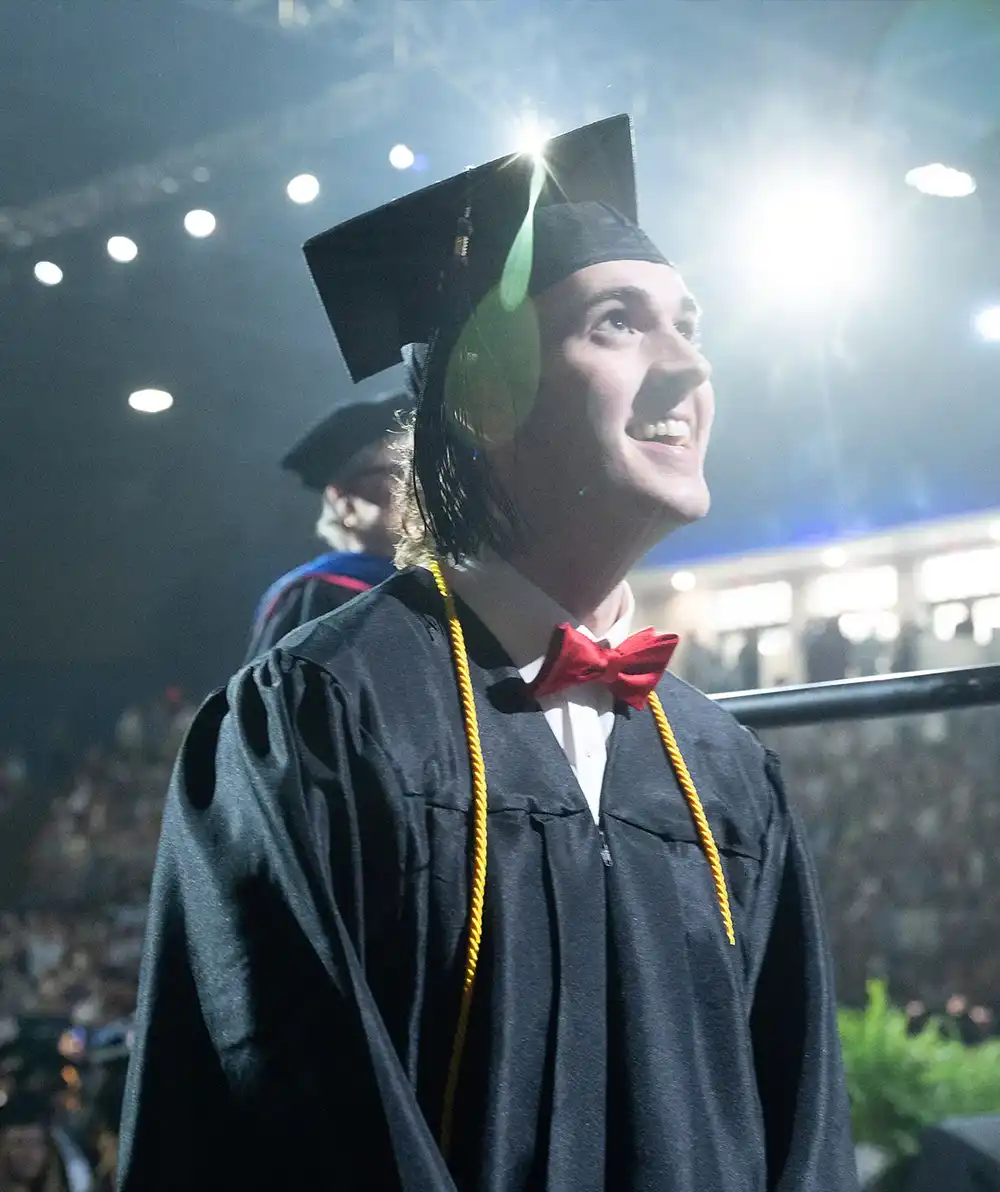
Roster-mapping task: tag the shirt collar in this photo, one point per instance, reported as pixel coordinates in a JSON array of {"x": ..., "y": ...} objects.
[{"x": 520, "y": 615}]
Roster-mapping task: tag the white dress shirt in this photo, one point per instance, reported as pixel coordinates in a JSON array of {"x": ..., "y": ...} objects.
[{"x": 521, "y": 617}]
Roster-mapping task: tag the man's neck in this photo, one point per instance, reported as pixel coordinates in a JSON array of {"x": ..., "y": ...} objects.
[
  {"x": 590, "y": 592},
  {"x": 582, "y": 565}
]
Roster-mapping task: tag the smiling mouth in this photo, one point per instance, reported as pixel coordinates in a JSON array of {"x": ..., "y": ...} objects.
[{"x": 674, "y": 432}]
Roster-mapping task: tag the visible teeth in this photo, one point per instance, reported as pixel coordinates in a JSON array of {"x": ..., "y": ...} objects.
[{"x": 674, "y": 430}]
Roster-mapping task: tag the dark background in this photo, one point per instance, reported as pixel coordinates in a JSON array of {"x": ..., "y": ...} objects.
[{"x": 133, "y": 549}]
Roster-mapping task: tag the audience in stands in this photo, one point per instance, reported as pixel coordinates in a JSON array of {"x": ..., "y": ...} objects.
[{"x": 903, "y": 816}]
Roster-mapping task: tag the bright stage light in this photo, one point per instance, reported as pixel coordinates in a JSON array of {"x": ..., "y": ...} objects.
[
  {"x": 806, "y": 241},
  {"x": 48, "y": 274},
  {"x": 303, "y": 188},
  {"x": 530, "y": 136},
  {"x": 834, "y": 557},
  {"x": 121, "y": 249},
  {"x": 199, "y": 224},
  {"x": 941, "y": 181},
  {"x": 988, "y": 324},
  {"x": 683, "y": 581},
  {"x": 401, "y": 157},
  {"x": 150, "y": 401}
]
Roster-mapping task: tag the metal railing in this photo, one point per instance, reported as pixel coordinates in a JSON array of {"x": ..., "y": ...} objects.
[{"x": 866, "y": 699}]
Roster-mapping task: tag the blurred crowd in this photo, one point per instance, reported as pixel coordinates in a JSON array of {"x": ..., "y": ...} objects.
[
  {"x": 70, "y": 943},
  {"x": 904, "y": 821},
  {"x": 827, "y": 654},
  {"x": 903, "y": 817}
]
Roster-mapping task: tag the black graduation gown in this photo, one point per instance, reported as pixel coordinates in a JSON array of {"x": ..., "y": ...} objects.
[{"x": 306, "y": 938}]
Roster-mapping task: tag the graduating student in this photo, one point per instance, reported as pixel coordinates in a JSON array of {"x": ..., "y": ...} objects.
[
  {"x": 348, "y": 459},
  {"x": 459, "y": 889}
]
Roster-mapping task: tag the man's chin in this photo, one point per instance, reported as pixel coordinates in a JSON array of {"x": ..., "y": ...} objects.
[{"x": 683, "y": 505}]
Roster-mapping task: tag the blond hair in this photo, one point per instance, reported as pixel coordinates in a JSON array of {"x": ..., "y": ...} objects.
[{"x": 415, "y": 545}]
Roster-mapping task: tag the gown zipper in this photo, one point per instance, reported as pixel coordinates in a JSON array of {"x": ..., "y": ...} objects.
[{"x": 605, "y": 851}]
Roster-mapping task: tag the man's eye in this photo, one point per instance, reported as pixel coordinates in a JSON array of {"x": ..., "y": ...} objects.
[{"x": 616, "y": 320}]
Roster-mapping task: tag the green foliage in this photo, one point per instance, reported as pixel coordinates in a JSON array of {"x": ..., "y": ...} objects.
[{"x": 900, "y": 1083}]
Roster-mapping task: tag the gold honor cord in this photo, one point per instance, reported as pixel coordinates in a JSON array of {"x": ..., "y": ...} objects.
[
  {"x": 461, "y": 660},
  {"x": 478, "y": 768}
]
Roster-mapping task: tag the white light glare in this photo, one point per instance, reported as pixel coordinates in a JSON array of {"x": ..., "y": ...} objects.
[
  {"x": 531, "y": 137},
  {"x": 941, "y": 181},
  {"x": 150, "y": 401},
  {"x": 303, "y": 188},
  {"x": 807, "y": 241},
  {"x": 834, "y": 556},
  {"x": 120, "y": 248},
  {"x": 199, "y": 224},
  {"x": 48, "y": 274},
  {"x": 401, "y": 157},
  {"x": 988, "y": 324},
  {"x": 682, "y": 581}
]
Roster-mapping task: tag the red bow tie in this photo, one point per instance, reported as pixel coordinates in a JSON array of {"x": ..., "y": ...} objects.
[{"x": 631, "y": 670}]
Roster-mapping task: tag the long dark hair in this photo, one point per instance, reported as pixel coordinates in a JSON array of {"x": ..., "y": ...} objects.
[{"x": 474, "y": 385}]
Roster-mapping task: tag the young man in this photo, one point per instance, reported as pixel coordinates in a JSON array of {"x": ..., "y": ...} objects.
[
  {"x": 348, "y": 459},
  {"x": 457, "y": 889}
]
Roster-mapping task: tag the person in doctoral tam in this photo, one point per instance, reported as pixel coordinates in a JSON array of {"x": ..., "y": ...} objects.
[
  {"x": 459, "y": 887},
  {"x": 347, "y": 458}
]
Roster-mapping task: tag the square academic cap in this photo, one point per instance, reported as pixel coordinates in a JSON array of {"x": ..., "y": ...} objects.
[
  {"x": 378, "y": 275},
  {"x": 319, "y": 457}
]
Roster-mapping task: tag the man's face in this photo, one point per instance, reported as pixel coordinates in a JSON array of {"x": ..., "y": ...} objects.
[
  {"x": 363, "y": 499},
  {"x": 372, "y": 481},
  {"x": 23, "y": 1153},
  {"x": 625, "y": 407}
]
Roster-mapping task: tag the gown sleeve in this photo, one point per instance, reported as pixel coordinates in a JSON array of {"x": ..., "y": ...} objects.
[
  {"x": 796, "y": 1044},
  {"x": 260, "y": 1058},
  {"x": 298, "y": 604}
]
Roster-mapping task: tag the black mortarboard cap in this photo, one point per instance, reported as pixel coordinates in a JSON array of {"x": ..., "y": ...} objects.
[
  {"x": 379, "y": 275},
  {"x": 320, "y": 457}
]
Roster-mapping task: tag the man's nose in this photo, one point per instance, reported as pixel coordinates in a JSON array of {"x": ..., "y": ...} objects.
[{"x": 676, "y": 373}]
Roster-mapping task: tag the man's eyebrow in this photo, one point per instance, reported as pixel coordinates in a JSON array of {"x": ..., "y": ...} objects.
[
  {"x": 689, "y": 307},
  {"x": 618, "y": 294}
]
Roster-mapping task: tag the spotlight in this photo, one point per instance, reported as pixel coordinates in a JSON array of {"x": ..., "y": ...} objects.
[
  {"x": 834, "y": 557},
  {"x": 987, "y": 324},
  {"x": 150, "y": 401},
  {"x": 199, "y": 224},
  {"x": 120, "y": 248},
  {"x": 401, "y": 157},
  {"x": 808, "y": 240},
  {"x": 941, "y": 181},
  {"x": 48, "y": 274},
  {"x": 303, "y": 188},
  {"x": 530, "y": 138},
  {"x": 683, "y": 581}
]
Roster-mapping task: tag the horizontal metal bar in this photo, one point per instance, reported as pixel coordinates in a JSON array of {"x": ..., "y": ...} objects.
[{"x": 866, "y": 699}]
